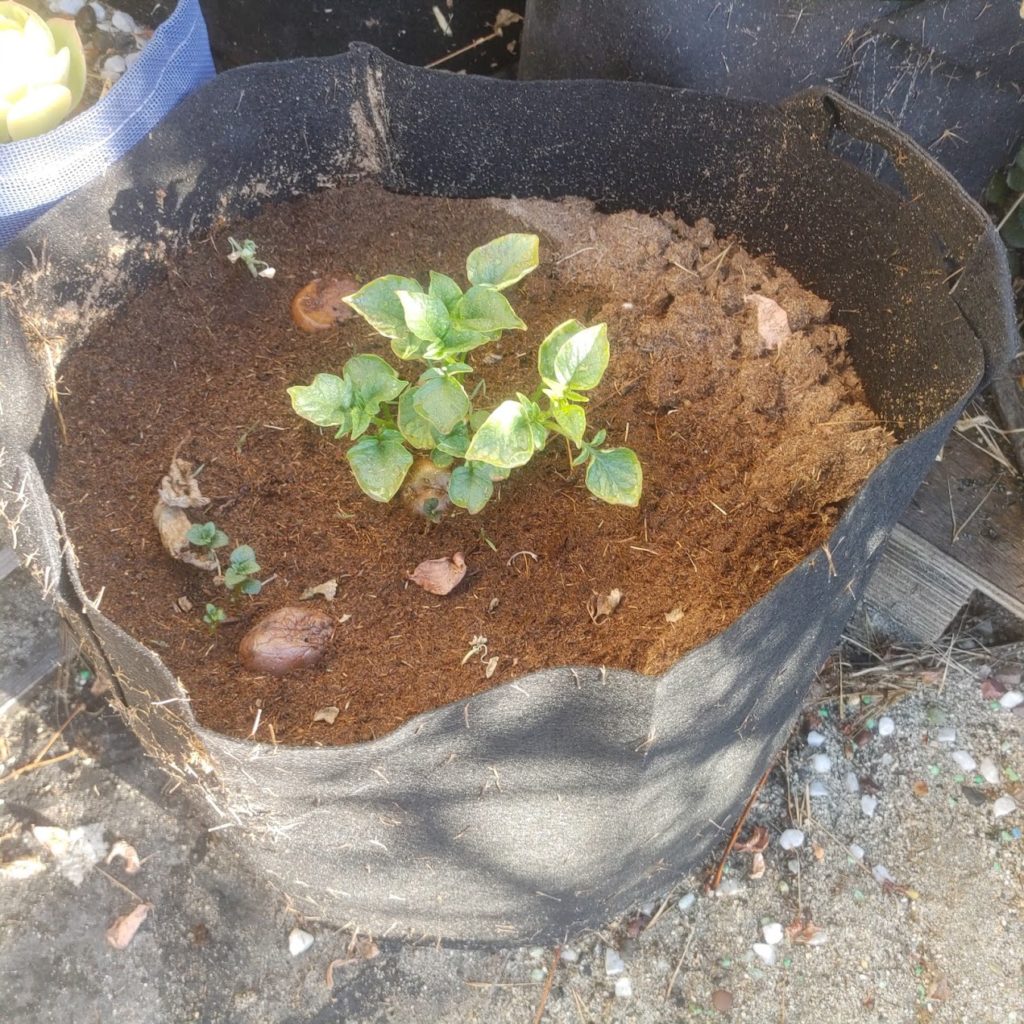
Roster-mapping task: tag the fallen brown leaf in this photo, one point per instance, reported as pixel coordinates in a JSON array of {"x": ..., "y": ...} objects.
[
  {"x": 772, "y": 322},
  {"x": 326, "y": 590},
  {"x": 123, "y": 930},
  {"x": 756, "y": 842},
  {"x": 602, "y": 606},
  {"x": 328, "y": 715},
  {"x": 439, "y": 575},
  {"x": 919, "y": 789},
  {"x": 674, "y": 616},
  {"x": 178, "y": 491},
  {"x": 818, "y": 851},
  {"x": 991, "y": 689},
  {"x": 128, "y": 854},
  {"x": 757, "y": 865}
]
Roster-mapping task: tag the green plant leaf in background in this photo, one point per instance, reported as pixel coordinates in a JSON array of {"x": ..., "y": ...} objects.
[
  {"x": 615, "y": 476},
  {"x": 503, "y": 261},
  {"x": 471, "y": 486},
  {"x": 379, "y": 305},
  {"x": 505, "y": 439},
  {"x": 326, "y": 402},
  {"x": 379, "y": 464}
]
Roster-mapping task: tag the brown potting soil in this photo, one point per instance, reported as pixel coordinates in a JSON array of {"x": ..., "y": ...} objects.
[{"x": 748, "y": 453}]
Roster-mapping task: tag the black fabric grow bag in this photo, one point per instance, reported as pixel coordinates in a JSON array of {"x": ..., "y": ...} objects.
[{"x": 556, "y": 802}]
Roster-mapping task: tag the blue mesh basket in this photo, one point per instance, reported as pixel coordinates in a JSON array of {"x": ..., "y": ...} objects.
[{"x": 36, "y": 173}]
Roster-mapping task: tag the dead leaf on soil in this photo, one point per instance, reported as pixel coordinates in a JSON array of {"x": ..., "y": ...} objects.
[
  {"x": 756, "y": 842},
  {"x": 327, "y": 591},
  {"x": 184, "y": 604},
  {"x": 675, "y": 615},
  {"x": 940, "y": 989},
  {"x": 602, "y": 606},
  {"x": 772, "y": 321},
  {"x": 492, "y": 664},
  {"x": 757, "y": 866},
  {"x": 991, "y": 688},
  {"x": 818, "y": 851},
  {"x": 21, "y": 868},
  {"x": 127, "y": 853},
  {"x": 504, "y": 18},
  {"x": 919, "y": 789},
  {"x": 805, "y": 933},
  {"x": 328, "y": 715},
  {"x": 439, "y": 575},
  {"x": 178, "y": 491},
  {"x": 360, "y": 949},
  {"x": 123, "y": 930}
]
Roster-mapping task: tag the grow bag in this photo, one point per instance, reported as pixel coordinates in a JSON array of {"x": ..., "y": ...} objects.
[
  {"x": 561, "y": 799},
  {"x": 38, "y": 172}
]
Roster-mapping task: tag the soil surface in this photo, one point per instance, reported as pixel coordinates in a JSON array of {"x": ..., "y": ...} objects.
[{"x": 749, "y": 454}]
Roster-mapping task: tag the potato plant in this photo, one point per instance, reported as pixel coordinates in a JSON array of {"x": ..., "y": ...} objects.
[{"x": 388, "y": 418}]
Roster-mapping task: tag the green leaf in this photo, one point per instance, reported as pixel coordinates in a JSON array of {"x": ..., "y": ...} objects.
[
  {"x": 1019, "y": 161},
  {"x": 379, "y": 464},
  {"x": 997, "y": 193},
  {"x": 504, "y": 261},
  {"x": 571, "y": 418},
  {"x": 1015, "y": 178},
  {"x": 373, "y": 381},
  {"x": 441, "y": 459},
  {"x": 484, "y": 309},
  {"x": 243, "y": 560},
  {"x": 426, "y": 316},
  {"x": 537, "y": 420},
  {"x": 1013, "y": 231},
  {"x": 505, "y": 439},
  {"x": 615, "y": 475},
  {"x": 573, "y": 356},
  {"x": 415, "y": 429},
  {"x": 455, "y": 443},
  {"x": 379, "y": 305},
  {"x": 444, "y": 288},
  {"x": 408, "y": 346},
  {"x": 361, "y": 420},
  {"x": 326, "y": 402},
  {"x": 251, "y": 587},
  {"x": 470, "y": 486},
  {"x": 460, "y": 339},
  {"x": 441, "y": 401}
]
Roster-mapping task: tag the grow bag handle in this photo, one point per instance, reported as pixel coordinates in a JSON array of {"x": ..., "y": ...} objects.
[{"x": 980, "y": 280}]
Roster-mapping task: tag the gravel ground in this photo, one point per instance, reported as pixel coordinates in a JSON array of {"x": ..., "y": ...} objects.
[{"x": 924, "y": 925}]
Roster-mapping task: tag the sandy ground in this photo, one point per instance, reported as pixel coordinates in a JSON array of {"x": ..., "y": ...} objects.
[{"x": 924, "y": 925}]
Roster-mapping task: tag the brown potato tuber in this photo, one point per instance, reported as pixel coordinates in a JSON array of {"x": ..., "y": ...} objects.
[
  {"x": 425, "y": 491},
  {"x": 287, "y": 639},
  {"x": 319, "y": 306}
]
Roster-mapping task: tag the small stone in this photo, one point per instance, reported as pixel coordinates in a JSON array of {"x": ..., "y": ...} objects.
[
  {"x": 852, "y": 782},
  {"x": 613, "y": 963},
  {"x": 856, "y": 852},
  {"x": 729, "y": 887},
  {"x": 569, "y": 955},
  {"x": 299, "y": 941},
  {"x": 868, "y": 804},
  {"x": 765, "y": 952},
  {"x": 881, "y": 874},
  {"x": 988, "y": 771},
  {"x": 815, "y": 738},
  {"x": 538, "y": 974},
  {"x": 123, "y": 22},
  {"x": 791, "y": 839},
  {"x": 772, "y": 933},
  {"x": 113, "y": 68},
  {"x": 793, "y": 866},
  {"x": 623, "y": 989},
  {"x": 1003, "y": 806},
  {"x": 818, "y": 788},
  {"x": 821, "y": 763},
  {"x": 68, "y": 7},
  {"x": 687, "y": 901},
  {"x": 129, "y": 61},
  {"x": 99, "y": 10},
  {"x": 947, "y": 734},
  {"x": 886, "y": 726},
  {"x": 1011, "y": 699},
  {"x": 964, "y": 760},
  {"x": 537, "y": 952}
]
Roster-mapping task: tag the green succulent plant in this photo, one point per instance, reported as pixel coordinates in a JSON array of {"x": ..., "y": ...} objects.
[{"x": 42, "y": 71}]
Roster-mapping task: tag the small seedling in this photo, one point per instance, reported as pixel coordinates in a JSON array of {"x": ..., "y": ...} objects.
[
  {"x": 214, "y": 616},
  {"x": 246, "y": 252},
  {"x": 206, "y": 536},
  {"x": 386, "y": 416},
  {"x": 242, "y": 567}
]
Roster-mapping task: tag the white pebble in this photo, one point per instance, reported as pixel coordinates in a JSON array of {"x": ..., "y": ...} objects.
[
  {"x": 868, "y": 804},
  {"x": 729, "y": 887},
  {"x": 772, "y": 933},
  {"x": 113, "y": 68},
  {"x": 821, "y": 763},
  {"x": 299, "y": 941},
  {"x": 988, "y": 771},
  {"x": 964, "y": 760},
  {"x": 947, "y": 734},
  {"x": 100, "y": 11},
  {"x": 623, "y": 989},
  {"x": 687, "y": 901},
  {"x": 856, "y": 852},
  {"x": 818, "y": 939},
  {"x": 815, "y": 739},
  {"x": 569, "y": 955},
  {"x": 1003, "y": 806},
  {"x": 131, "y": 58},
  {"x": 881, "y": 874},
  {"x": 818, "y": 788},
  {"x": 613, "y": 963},
  {"x": 68, "y": 7},
  {"x": 123, "y": 22},
  {"x": 791, "y": 839},
  {"x": 794, "y": 866},
  {"x": 886, "y": 726},
  {"x": 1011, "y": 699},
  {"x": 537, "y": 952},
  {"x": 852, "y": 782},
  {"x": 765, "y": 952}
]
